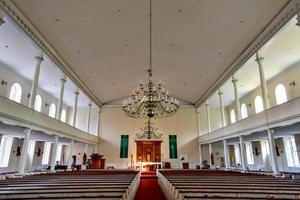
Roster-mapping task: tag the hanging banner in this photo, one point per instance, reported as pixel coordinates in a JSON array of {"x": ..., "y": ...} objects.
[
  {"x": 124, "y": 146},
  {"x": 173, "y": 146}
]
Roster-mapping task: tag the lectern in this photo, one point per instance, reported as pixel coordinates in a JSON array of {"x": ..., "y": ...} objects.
[{"x": 98, "y": 162}]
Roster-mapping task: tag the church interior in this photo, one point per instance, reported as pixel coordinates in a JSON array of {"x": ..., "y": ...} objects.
[{"x": 149, "y": 99}]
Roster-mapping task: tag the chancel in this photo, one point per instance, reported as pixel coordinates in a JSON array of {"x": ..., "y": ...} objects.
[{"x": 149, "y": 99}]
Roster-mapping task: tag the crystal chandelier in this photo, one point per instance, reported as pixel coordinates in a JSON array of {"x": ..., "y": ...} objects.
[
  {"x": 149, "y": 132},
  {"x": 150, "y": 100}
]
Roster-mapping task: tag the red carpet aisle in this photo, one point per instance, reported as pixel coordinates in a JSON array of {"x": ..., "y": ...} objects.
[{"x": 149, "y": 188}]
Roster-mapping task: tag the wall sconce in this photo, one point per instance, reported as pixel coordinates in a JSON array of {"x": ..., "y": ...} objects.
[
  {"x": 28, "y": 95},
  {"x": 3, "y": 82},
  {"x": 292, "y": 83},
  {"x": 249, "y": 105},
  {"x": 46, "y": 104},
  {"x": 17, "y": 151},
  {"x": 256, "y": 152},
  {"x": 39, "y": 152}
]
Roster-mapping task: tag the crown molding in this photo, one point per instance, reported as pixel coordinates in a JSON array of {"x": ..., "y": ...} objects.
[
  {"x": 16, "y": 15},
  {"x": 281, "y": 18}
]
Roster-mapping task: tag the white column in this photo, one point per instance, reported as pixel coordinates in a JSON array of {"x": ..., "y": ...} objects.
[
  {"x": 242, "y": 149},
  {"x": 24, "y": 151},
  {"x": 61, "y": 97},
  {"x": 98, "y": 131},
  {"x": 236, "y": 97},
  {"x": 273, "y": 153},
  {"x": 198, "y": 121},
  {"x": 208, "y": 117},
  {"x": 35, "y": 81},
  {"x": 75, "y": 107},
  {"x": 226, "y": 155},
  {"x": 263, "y": 82},
  {"x": 70, "y": 158},
  {"x": 210, "y": 152},
  {"x": 200, "y": 154},
  {"x": 88, "y": 117},
  {"x": 53, "y": 154},
  {"x": 220, "y": 93}
]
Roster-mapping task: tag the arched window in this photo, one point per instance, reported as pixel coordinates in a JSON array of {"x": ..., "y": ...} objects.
[
  {"x": 244, "y": 111},
  {"x": 52, "y": 110},
  {"x": 259, "y": 106},
  {"x": 16, "y": 92},
  {"x": 38, "y": 103},
  {"x": 280, "y": 94},
  {"x": 63, "y": 115},
  {"x": 232, "y": 116}
]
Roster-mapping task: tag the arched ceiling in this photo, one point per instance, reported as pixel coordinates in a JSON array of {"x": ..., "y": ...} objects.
[{"x": 106, "y": 42}]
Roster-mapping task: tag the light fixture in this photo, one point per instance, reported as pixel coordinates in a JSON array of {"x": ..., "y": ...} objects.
[
  {"x": 150, "y": 100},
  {"x": 149, "y": 132}
]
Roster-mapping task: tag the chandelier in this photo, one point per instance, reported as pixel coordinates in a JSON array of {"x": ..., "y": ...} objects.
[
  {"x": 149, "y": 132},
  {"x": 150, "y": 100}
]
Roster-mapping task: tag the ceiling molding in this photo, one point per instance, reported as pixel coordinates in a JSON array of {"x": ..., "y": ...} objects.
[
  {"x": 12, "y": 11},
  {"x": 284, "y": 15}
]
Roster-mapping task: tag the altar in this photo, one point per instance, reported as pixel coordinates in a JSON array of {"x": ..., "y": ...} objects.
[{"x": 148, "y": 154}]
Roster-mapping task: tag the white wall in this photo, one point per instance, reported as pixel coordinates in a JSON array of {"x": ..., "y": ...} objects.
[{"x": 114, "y": 123}]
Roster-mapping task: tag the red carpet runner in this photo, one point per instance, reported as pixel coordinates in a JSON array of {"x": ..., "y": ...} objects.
[{"x": 149, "y": 188}]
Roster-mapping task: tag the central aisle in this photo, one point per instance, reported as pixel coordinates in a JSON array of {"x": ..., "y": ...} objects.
[{"x": 149, "y": 188}]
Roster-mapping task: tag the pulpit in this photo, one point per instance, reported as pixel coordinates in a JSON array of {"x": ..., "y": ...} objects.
[{"x": 98, "y": 162}]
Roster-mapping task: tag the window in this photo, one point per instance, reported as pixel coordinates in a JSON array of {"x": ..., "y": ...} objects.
[
  {"x": 38, "y": 103},
  {"x": 259, "y": 106},
  {"x": 52, "y": 110},
  {"x": 291, "y": 152},
  {"x": 16, "y": 92},
  {"x": 30, "y": 153},
  {"x": 63, "y": 115},
  {"x": 58, "y": 153},
  {"x": 244, "y": 111},
  {"x": 237, "y": 154},
  {"x": 5, "y": 148},
  {"x": 232, "y": 116},
  {"x": 265, "y": 150},
  {"x": 280, "y": 94},
  {"x": 249, "y": 153},
  {"x": 46, "y": 154}
]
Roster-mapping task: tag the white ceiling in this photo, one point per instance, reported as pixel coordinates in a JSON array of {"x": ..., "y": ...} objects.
[{"x": 106, "y": 43}]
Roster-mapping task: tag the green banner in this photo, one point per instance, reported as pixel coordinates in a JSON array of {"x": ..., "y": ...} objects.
[
  {"x": 173, "y": 146},
  {"x": 124, "y": 146}
]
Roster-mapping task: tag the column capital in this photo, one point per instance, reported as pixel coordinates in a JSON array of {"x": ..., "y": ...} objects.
[
  {"x": 234, "y": 80},
  {"x": 1, "y": 21},
  {"x": 207, "y": 103},
  {"x": 39, "y": 57},
  {"x": 220, "y": 92},
  {"x": 258, "y": 58},
  {"x": 298, "y": 15},
  {"x": 2, "y": 17},
  {"x": 99, "y": 110},
  {"x": 90, "y": 104},
  {"x": 63, "y": 78},
  {"x": 76, "y": 92}
]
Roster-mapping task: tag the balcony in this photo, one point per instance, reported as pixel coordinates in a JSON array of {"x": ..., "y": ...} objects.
[
  {"x": 281, "y": 115},
  {"x": 20, "y": 115}
]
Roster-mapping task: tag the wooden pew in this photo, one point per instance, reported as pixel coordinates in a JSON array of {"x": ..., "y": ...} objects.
[
  {"x": 210, "y": 184},
  {"x": 73, "y": 185}
]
